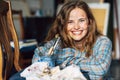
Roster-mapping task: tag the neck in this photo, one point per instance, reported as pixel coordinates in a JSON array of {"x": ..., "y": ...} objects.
[{"x": 78, "y": 44}]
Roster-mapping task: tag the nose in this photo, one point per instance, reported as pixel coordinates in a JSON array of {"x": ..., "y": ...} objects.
[{"x": 76, "y": 26}]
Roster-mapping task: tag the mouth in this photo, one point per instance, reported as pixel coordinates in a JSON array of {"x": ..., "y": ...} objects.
[{"x": 77, "y": 32}]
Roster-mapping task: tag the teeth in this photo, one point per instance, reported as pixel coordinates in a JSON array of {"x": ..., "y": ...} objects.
[{"x": 77, "y": 33}]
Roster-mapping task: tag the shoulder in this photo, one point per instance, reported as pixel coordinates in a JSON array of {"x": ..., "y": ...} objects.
[
  {"x": 103, "y": 41},
  {"x": 103, "y": 45},
  {"x": 50, "y": 43}
]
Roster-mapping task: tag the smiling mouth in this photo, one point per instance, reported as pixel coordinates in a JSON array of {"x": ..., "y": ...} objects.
[{"x": 77, "y": 32}]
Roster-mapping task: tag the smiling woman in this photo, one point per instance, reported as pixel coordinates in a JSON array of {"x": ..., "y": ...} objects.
[{"x": 79, "y": 43}]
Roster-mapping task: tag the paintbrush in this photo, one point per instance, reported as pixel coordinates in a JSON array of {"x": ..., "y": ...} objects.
[{"x": 50, "y": 52}]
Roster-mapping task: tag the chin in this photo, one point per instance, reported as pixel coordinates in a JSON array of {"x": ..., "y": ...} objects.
[{"x": 77, "y": 39}]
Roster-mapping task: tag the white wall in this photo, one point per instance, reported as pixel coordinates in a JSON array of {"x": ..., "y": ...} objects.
[
  {"x": 90, "y": 1},
  {"x": 48, "y": 7},
  {"x": 118, "y": 3}
]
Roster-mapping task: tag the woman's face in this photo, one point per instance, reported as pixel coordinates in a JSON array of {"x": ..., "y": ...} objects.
[{"x": 77, "y": 25}]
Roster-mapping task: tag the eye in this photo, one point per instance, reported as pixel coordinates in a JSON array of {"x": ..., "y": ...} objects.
[
  {"x": 82, "y": 20},
  {"x": 70, "y": 21}
]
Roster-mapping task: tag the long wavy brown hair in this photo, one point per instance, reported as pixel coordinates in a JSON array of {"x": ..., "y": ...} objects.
[{"x": 60, "y": 23}]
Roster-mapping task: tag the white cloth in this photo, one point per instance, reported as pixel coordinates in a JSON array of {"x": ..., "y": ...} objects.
[{"x": 41, "y": 71}]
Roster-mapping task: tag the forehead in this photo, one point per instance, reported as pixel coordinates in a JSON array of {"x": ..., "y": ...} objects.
[{"x": 77, "y": 13}]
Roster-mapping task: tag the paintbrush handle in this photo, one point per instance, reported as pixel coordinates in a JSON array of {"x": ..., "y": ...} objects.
[{"x": 50, "y": 51}]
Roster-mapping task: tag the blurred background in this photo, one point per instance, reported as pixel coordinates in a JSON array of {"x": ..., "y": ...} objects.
[{"x": 38, "y": 15}]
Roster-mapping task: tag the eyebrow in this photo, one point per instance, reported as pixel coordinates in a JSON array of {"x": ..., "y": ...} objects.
[{"x": 79, "y": 18}]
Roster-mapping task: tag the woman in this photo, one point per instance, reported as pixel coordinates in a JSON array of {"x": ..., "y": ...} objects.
[{"x": 79, "y": 42}]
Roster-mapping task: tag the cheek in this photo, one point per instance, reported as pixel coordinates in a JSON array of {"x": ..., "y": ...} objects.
[
  {"x": 85, "y": 32},
  {"x": 84, "y": 26},
  {"x": 69, "y": 27}
]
